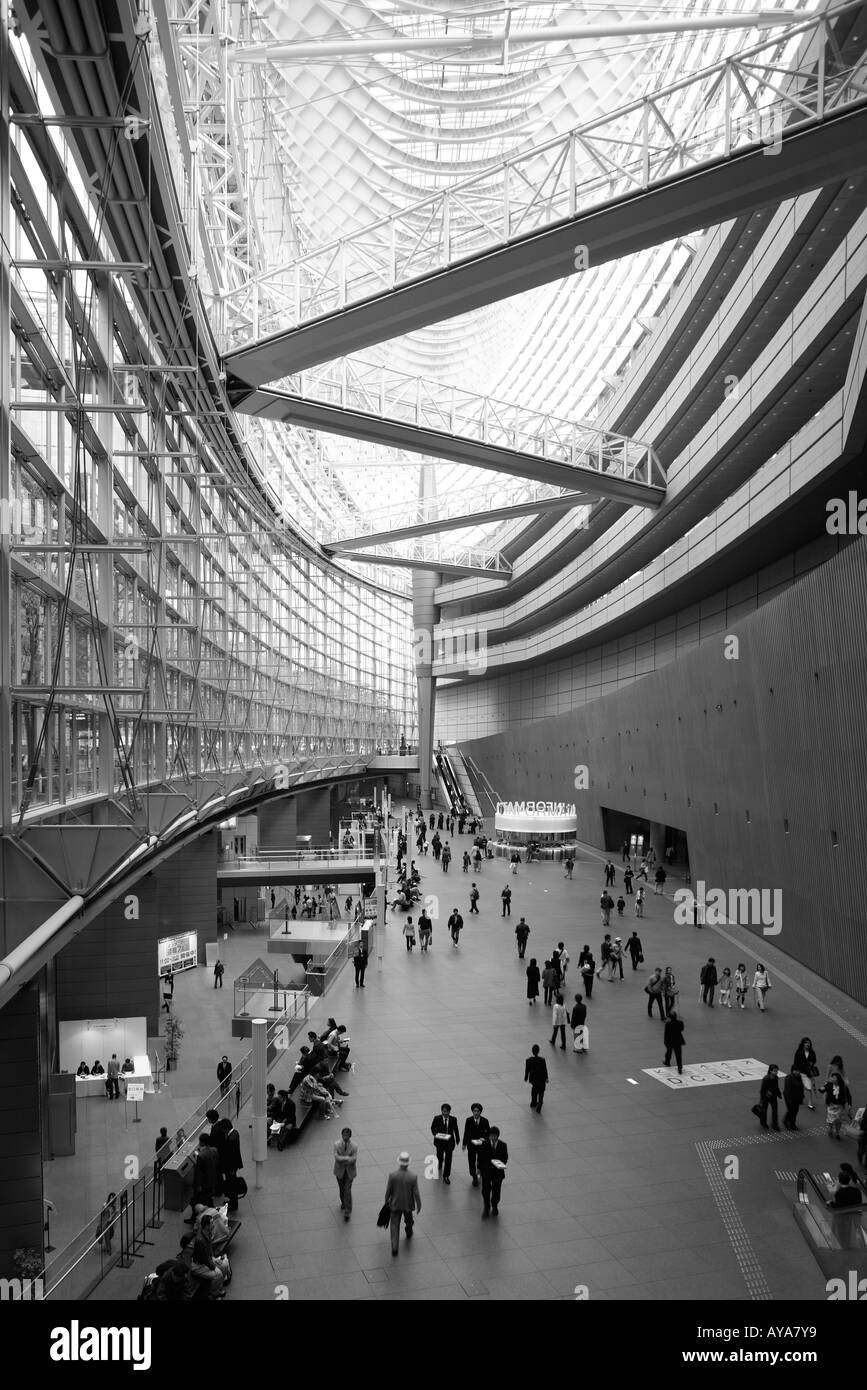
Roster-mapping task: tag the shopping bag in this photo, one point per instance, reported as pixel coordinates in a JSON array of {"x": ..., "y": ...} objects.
[
  {"x": 384, "y": 1217},
  {"x": 581, "y": 1041}
]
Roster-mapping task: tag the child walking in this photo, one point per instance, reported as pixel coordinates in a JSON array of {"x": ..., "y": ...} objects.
[
  {"x": 725, "y": 989},
  {"x": 741, "y": 985}
]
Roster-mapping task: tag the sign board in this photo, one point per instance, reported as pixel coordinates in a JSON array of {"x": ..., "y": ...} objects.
[
  {"x": 178, "y": 952},
  {"x": 135, "y": 1091},
  {"x": 537, "y": 817},
  {"x": 709, "y": 1073}
]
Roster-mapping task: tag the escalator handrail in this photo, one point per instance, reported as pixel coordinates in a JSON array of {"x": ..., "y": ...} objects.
[
  {"x": 486, "y": 785},
  {"x": 805, "y": 1177}
]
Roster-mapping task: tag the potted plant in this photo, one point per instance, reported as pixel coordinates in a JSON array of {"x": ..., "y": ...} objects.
[
  {"x": 30, "y": 1267},
  {"x": 174, "y": 1033}
]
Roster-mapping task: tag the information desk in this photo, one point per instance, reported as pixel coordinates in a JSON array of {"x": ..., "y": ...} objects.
[
  {"x": 95, "y": 1085},
  {"x": 304, "y": 938}
]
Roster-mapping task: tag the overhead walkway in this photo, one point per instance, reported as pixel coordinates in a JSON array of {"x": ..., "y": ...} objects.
[
  {"x": 459, "y": 507},
  {"x": 428, "y": 553},
  {"x": 305, "y": 866},
  {"x": 424, "y": 417},
  {"x": 691, "y": 155}
]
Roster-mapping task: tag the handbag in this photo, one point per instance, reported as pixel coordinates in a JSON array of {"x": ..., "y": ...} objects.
[
  {"x": 384, "y": 1218},
  {"x": 640, "y": 958}
]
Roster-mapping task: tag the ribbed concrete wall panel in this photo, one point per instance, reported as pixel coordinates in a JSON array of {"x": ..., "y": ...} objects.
[{"x": 771, "y": 788}]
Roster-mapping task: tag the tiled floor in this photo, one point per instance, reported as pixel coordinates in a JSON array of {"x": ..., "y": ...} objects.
[{"x": 606, "y": 1188}]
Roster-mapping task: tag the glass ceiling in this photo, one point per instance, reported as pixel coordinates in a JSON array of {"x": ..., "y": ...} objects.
[{"x": 352, "y": 137}]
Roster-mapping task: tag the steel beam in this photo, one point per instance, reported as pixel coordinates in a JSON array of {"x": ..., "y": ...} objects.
[
  {"x": 682, "y": 203},
  {"x": 276, "y": 405},
  {"x": 564, "y": 502},
  {"x": 411, "y": 563}
]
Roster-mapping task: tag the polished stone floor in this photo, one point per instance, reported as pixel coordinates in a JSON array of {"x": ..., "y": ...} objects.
[{"x": 617, "y": 1187}]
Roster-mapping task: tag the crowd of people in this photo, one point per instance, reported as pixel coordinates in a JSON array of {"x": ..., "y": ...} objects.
[{"x": 315, "y": 1083}]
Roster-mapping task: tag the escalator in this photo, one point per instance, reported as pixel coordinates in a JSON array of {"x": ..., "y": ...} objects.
[
  {"x": 448, "y": 782},
  {"x": 486, "y": 797},
  {"x": 837, "y": 1236}
]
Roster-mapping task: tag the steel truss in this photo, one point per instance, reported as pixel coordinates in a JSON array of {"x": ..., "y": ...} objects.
[
  {"x": 790, "y": 82},
  {"x": 434, "y": 554},
  {"x": 429, "y": 406},
  {"x": 460, "y": 507},
  {"x": 168, "y": 621}
]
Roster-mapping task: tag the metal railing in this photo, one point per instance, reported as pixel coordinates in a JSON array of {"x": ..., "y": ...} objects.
[
  {"x": 430, "y": 405},
  {"x": 321, "y": 977},
  {"x": 120, "y": 1238},
  {"x": 285, "y": 859},
  {"x": 790, "y": 81}
]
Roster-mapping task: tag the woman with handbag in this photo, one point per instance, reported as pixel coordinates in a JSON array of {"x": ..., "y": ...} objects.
[
  {"x": 761, "y": 985},
  {"x": 805, "y": 1064}
]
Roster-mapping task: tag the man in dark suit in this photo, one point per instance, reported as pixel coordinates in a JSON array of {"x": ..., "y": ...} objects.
[
  {"x": 493, "y": 1157},
  {"x": 476, "y": 1129},
  {"x": 317, "y": 1051},
  {"x": 231, "y": 1160},
  {"x": 673, "y": 1038},
  {"x": 403, "y": 1199},
  {"x": 224, "y": 1074},
  {"x": 206, "y": 1174},
  {"x": 444, "y": 1128},
  {"x": 536, "y": 1072},
  {"x": 216, "y": 1139},
  {"x": 360, "y": 962}
]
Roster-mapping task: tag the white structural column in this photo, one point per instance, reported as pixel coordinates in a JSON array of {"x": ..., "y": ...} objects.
[
  {"x": 260, "y": 1073},
  {"x": 424, "y": 617}
]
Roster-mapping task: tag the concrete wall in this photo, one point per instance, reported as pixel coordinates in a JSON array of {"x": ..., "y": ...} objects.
[
  {"x": 278, "y": 824},
  {"x": 313, "y": 812},
  {"x": 110, "y": 969},
  {"x": 760, "y": 759},
  {"x": 21, "y": 1216}
]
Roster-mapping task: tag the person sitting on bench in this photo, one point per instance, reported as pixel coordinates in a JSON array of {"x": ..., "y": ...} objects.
[
  {"x": 325, "y": 1078},
  {"x": 283, "y": 1114},
  {"x": 204, "y": 1265},
  {"x": 315, "y": 1094},
  {"x": 219, "y": 1224}
]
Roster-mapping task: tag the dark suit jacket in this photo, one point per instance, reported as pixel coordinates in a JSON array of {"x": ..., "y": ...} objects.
[
  {"x": 445, "y": 1131},
  {"x": 206, "y": 1175},
  {"x": 489, "y": 1151},
  {"x": 224, "y": 1069},
  {"x": 579, "y": 1015},
  {"x": 476, "y": 1129},
  {"x": 536, "y": 1071},
  {"x": 231, "y": 1155}
]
